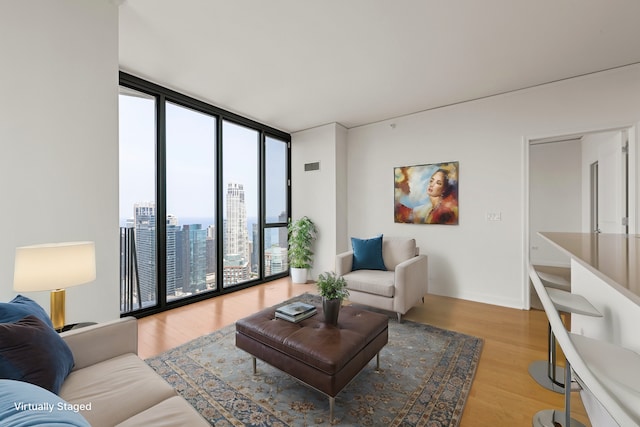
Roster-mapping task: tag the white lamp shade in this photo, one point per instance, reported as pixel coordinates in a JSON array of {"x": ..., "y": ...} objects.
[{"x": 54, "y": 266}]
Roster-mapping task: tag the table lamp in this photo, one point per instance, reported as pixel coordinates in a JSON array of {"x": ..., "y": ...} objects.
[{"x": 54, "y": 267}]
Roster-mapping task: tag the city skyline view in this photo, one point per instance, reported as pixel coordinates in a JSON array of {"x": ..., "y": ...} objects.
[{"x": 191, "y": 251}]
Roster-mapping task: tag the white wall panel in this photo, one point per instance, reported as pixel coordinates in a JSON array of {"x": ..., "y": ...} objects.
[{"x": 59, "y": 136}]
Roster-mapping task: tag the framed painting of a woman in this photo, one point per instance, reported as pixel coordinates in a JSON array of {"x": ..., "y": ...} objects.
[{"x": 426, "y": 194}]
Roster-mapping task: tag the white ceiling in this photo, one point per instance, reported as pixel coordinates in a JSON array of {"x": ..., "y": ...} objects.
[{"x": 296, "y": 64}]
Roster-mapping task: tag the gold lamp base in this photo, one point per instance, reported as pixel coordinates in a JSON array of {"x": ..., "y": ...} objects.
[{"x": 57, "y": 308}]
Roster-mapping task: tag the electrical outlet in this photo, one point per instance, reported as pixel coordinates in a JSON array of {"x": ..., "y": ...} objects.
[{"x": 494, "y": 216}]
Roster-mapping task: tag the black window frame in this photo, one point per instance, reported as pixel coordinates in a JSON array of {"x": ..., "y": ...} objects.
[{"x": 163, "y": 95}]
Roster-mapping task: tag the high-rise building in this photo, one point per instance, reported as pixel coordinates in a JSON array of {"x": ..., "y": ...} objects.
[
  {"x": 236, "y": 270},
  {"x": 191, "y": 259},
  {"x": 237, "y": 249},
  {"x": 275, "y": 260},
  {"x": 211, "y": 250},
  {"x": 237, "y": 233},
  {"x": 144, "y": 218},
  {"x": 171, "y": 262},
  {"x": 255, "y": 255}
]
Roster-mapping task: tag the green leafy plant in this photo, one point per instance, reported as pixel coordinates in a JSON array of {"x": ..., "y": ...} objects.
[
  {"x": 331, "y": 286},
  {"x": 302, "y": 233}
]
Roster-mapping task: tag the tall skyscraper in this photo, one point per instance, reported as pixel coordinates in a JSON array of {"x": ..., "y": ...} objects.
[
  {"x": 255, "y": 256},
  {"x": 211, "y": 250},
  {"x": 144, "y": 218},
  {"x": 191, "y": 259},
  {"x": 238, "y": 253},
  {"x": 172, "y": 256},
  {"x": 237, "y": 233}
]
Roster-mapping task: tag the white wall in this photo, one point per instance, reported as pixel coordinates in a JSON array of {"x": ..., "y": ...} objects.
[
  {"x": 320, "y": 196},
  {"x": 555, "y": 196},
  {"x": 59, "y": 136},
  {"x": 477, "y": 260}
]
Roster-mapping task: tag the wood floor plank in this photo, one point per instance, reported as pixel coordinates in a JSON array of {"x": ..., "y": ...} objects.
[{"x": 503, "y": 393}]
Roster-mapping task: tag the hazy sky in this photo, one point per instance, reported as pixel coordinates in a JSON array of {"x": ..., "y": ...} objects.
[{"x": 191, "y": 161}]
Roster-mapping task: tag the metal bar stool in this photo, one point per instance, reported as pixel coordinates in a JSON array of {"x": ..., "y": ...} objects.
[
  {"x": 561, "y": 302},
  {"x": 546, "y": 372}
]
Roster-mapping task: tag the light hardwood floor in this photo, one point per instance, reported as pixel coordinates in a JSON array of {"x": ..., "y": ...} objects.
[{"x": 503, "y": 393}]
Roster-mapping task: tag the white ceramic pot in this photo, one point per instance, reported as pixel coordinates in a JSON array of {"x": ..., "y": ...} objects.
[{"x": 298, "y": 275}]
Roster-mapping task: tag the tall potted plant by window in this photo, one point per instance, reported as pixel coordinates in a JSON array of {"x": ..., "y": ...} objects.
[{"x": 302, "y": 233}]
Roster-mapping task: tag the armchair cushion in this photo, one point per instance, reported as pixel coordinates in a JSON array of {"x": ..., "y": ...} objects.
[
  {"x": 367, "y": 254},
  {"x": 372, "y": 282},
  {"x": 395, "y": 251}
]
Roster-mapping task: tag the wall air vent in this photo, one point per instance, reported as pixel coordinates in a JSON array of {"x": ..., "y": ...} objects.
[{"x": 311, "y": 166}]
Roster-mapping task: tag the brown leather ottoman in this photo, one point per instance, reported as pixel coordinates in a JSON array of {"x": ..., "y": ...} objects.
[{"x": 324, "y": 357}]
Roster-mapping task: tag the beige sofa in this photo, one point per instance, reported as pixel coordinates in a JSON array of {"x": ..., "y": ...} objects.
[
  {"x": 402, "y": 286},
  {"x": 116, "y": 387}
]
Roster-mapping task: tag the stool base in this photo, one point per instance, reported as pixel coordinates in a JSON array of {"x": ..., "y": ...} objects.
[
  {"x": 539, "y": 371},
  {"x": 553, "y": 418}
]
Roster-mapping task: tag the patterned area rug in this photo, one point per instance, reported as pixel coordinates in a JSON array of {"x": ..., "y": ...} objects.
[{"x": 424, "y": 380}]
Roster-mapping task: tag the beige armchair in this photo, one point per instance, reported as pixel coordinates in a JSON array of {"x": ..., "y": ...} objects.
[{"x": 401, "y": 287}]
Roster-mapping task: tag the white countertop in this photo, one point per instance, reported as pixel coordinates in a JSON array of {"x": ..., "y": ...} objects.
[{"x": 615, "y": 258}]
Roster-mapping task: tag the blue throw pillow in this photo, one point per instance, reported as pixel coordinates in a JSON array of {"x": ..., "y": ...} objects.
[
  {"x": 23, "y": 404},
  {"x": 367, "y": 254},
  {"x": 33, "y": 352},
  {"x": 20, "y": 307}
]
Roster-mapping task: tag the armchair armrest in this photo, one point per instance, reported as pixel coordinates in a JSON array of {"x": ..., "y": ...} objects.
[
  {"x": 103, "y": 341},
  {"x": 344, "y": 263},
  {"x": 411, "y": 281}
]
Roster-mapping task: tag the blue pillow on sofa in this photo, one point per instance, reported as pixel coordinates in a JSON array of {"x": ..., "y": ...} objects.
[
  {"x": 33, "y": 352},
  {"x": 23, "y": 404},
  {"x": 20, "y": 307},
  {"x": 367, "y": 254}
]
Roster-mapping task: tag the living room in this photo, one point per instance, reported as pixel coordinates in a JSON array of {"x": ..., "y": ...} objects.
[{"x": 60, "y": 171}]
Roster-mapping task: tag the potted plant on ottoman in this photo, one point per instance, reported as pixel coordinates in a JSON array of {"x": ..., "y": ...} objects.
[
  {"x": 302, "y": 233},
  {"x": 332, "y": 289}
]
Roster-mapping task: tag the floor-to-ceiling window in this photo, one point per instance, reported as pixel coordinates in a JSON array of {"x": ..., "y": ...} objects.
[
  {"x": 276, "y": 190},
  {"x": 190, "y": 200},
  {"x": 204, "y": 199},
  {"x": 138, "y": 272},
  {"x": 240, "y": 164}
]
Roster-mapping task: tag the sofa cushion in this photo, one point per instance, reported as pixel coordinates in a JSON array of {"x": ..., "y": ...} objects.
[
  {"x": 24, "y": 404},
  {"x": 117, "y": 389},
  {"x": 32, "y": 351},
  {"x": 372, "y": 282},
  {"x": 367, "y": 254},
  {"x": 171, "y": 412},
  {"x": 19, "y": 308},
  {"x": 395, "y": 251}
]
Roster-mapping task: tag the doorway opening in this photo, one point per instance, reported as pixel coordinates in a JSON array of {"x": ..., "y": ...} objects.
[{"x": 581, "y": 183}]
